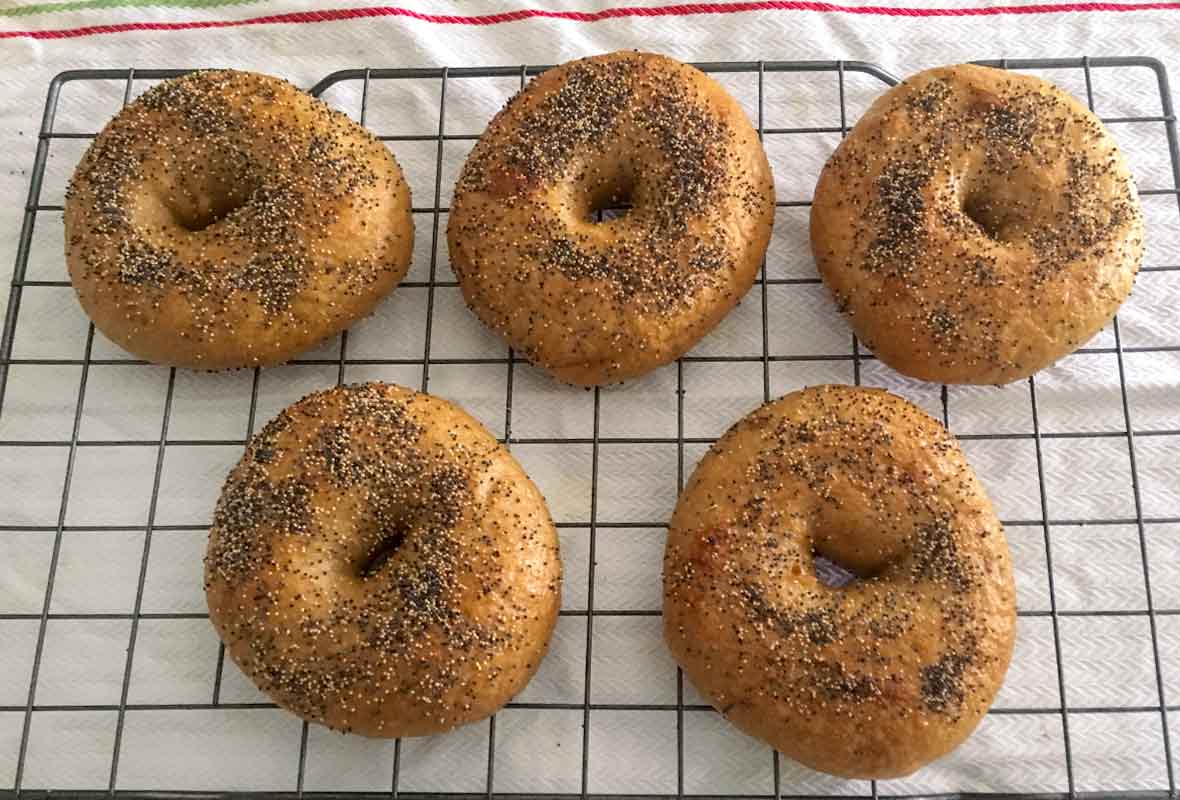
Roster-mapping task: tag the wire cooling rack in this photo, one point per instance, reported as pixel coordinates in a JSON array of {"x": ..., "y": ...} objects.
[{"x": 114, "y": 683}]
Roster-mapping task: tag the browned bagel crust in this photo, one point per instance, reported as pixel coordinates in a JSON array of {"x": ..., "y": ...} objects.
[
  {"x": 227, "y": 219},
  {"x": 874, "y": 679},
  {"x": 380, "y": 564},
  {"x": 594, "y": 302},
  {"x": 977, "y": 225}
]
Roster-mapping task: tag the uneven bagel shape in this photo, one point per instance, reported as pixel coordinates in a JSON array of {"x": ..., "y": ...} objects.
[
  {"x": 598, "y": 302},
  {"x": 227, "y": 219},
  {"x": 976, "y": 225},
  {"x": 880, "y": 676},
  {"x": 380, "y": 564}
]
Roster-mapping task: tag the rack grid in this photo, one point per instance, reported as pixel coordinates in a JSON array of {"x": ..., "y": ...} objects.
[{"x": 337, "y": 362}]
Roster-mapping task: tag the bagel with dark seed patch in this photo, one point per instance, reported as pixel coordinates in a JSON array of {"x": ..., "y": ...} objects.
[
  {"x": 597, "y": 302},
  {"x": 977, "y": 225},
  {"x": 227, "y": 219},
  {"x": 871, "y": 679},
  {"x": 380, "y": 564}
]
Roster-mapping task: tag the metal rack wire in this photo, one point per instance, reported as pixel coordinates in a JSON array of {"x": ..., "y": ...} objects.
[{"x": 366, "y": 78}]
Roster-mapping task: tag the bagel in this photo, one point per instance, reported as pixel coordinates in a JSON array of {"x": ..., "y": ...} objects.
[
  {"x": 380, "y": 564},
  {"x": 598, "y": 302},
  {"x": 976, "y": 225},
  {"x": 872, "y": 679},
  {"x": 227, "y": 219}
]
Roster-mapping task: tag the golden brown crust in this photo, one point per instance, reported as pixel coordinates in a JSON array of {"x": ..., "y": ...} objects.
[
  {"x": 600, "y": 302},
  {"x": 380, "y": 564},
  {"x": 977, "y": 225},
  {"x": 227, "y": 219},
  {"x": 878, "y": 677}
]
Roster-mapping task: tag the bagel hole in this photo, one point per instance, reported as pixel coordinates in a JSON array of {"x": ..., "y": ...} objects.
[
  {"x": 199, "y": 215},
  {"x": 611, "y": 201},
  {"x": 831, "y": 573},
  {"x": 984, "y": 213},
  {"x": 389, "y": 544}
]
